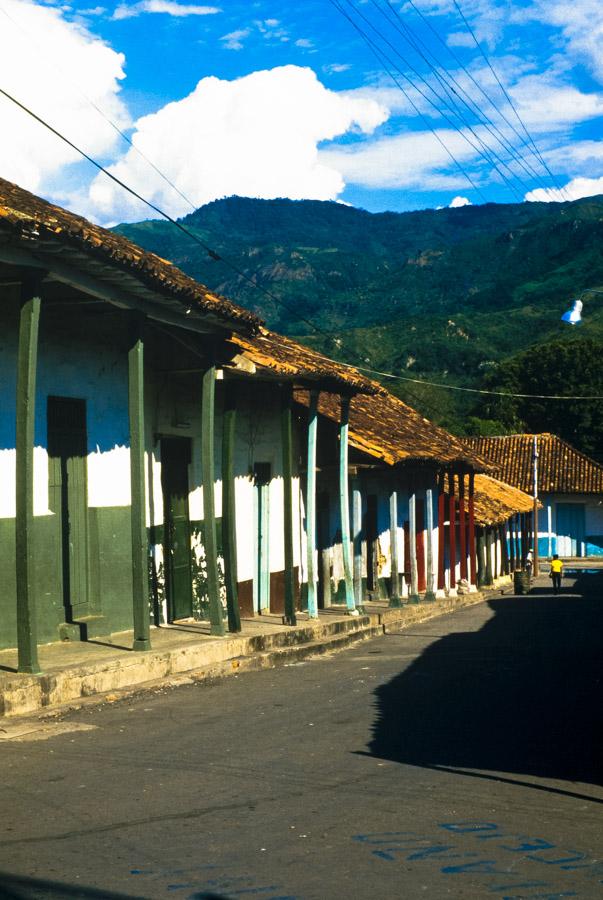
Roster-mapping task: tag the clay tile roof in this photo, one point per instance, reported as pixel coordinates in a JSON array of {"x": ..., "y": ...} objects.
[
  {"x": 496, "y": 501},
  {"x": 286, "y": 357},
  {"x": 561, "y": 468},
  {"x": 39, "y": 222},
  {"x": 386, "y": 428}
]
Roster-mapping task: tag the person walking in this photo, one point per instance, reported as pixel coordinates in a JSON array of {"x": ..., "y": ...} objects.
[{"x": 556, "y": 573}]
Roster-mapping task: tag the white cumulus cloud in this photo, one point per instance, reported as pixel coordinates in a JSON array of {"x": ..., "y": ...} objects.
[
  {"x": 257, "y": 136},
  {"x": 234, "y": 39},
  {"x": 167, "y": 7},
  {"x": 456, "y": 202},
  {"x": 415, "y": 160},
  {"x": 44, "y": 80},
  {"x": 573, "y": 190}
]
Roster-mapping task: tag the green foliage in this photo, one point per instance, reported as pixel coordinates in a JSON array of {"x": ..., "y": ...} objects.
[
  {"x": 570, "y": 367},
  {"x": 447, "y": 296}
]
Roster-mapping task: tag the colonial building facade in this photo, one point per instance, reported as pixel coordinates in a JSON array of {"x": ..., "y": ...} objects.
[{"x": 164, "y": 457}]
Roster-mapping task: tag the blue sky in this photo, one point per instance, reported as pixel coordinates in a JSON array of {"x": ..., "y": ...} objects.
[{"x": 281, "y": 99}]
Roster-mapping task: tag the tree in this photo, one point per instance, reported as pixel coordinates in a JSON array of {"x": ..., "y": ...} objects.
[{"x": 572, "y": 367}]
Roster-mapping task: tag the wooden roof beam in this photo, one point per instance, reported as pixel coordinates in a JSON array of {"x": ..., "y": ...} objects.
[{"x": 89, "y": 284}]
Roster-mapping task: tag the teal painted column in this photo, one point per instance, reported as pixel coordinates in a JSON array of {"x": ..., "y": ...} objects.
[
  {"x": 394, "y": 590},
  {"x": 229, "y": 516},
  {"x": 413, "y": 596},
  {"x": 140, "y": 544},
  {"x": 27, "y": 360},
  {"x": 287, "y": 448},
  {"x": 357, "y": 539},
  {"x": 344, "y": 505},
  {"x": 311, "y": 505},
  {"x": 208, "y": 423},
  {"x": 430, "y": 580}
]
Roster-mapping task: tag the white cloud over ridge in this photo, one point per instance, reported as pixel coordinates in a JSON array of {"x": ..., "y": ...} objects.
[
  {"x": 257, "y": 136},
  {"x": 413, "y": 160},
  {"x": 575, "y": 189},
  {"x": 457, "y": 202},
  {"x": 30, "y": 155}
]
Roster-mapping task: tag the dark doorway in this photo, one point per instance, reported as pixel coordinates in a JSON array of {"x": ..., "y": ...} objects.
[
  {"x": 68, "y": 498},
  {"x": 175, "y": 460},
  {"x": 371, "y": 530},
  {"x": 324, "y": 550},
  {"x": 262, "y": 474}
]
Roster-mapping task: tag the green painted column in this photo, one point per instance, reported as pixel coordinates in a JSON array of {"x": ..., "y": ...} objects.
[
  {"x": 430, "y": 579},
  {"x": 140, "y": 548},
  {"x": 394, "y": 590},
  {"x": 344, "y": 505},
  {"x": 27, "y": 360},
  {"x": 229, "y": 521},
  {"x": 209, "y": 507},
  {"x": 287, "y": 448},
  {"x": 311, "y": 505},
  {"x": 413, "y": 595}
]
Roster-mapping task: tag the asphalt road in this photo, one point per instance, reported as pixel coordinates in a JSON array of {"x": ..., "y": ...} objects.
[{"x": 458, "y": 758}]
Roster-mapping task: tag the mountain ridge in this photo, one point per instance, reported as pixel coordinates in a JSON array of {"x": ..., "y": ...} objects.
[{"x": 442, "y": 295}]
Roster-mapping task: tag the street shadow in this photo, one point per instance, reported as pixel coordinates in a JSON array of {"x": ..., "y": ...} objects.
[
  {"x": 21, "y": 887},
  {"x": 521, "y": 697}
]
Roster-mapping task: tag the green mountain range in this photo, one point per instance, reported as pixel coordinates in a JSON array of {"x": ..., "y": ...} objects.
[{"x": 450, "y": 295}]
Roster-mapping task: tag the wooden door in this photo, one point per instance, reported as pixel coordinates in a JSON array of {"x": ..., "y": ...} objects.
[
  {"x": 372, "y": 543},
  {"x": 175, "y": 460},
  {"x": 570, "y": 529},
  {"x": 68, "y": 498}
]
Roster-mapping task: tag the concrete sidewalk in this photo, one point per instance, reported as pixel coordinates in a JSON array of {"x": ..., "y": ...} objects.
[{"x": 72, "y": 671}]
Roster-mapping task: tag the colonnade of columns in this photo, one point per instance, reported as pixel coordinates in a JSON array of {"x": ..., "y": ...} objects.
[
  {"x": 502, "y": 549},
  {"x": 460, "y": 515}
]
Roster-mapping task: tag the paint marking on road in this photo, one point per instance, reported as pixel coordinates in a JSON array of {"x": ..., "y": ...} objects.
[
  {"x": 513, "y": 856},
  {"x": 227, "y": 884}
]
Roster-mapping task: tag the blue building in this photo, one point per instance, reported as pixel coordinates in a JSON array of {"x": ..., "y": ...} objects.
[{"x": 568, "y": 484}]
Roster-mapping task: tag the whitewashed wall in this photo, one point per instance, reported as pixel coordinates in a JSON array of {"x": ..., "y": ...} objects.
[{"x": 90, "y": 370}]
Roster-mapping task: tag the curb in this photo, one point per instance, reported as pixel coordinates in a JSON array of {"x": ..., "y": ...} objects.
[{"x": 208, "y": 661}]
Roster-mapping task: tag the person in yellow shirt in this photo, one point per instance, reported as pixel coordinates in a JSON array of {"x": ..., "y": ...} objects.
[{"x": 556, "y": 572}]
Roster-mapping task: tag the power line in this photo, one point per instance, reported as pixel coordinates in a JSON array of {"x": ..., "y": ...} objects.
[
  {"x": 529, "y": 145},
  {"x": 380, "y": 58},
  {"x": 503, "y": 89},
  {"x": 272, "y": 296},
  {"x": 211, "y": 253},
  {"x": 455, "y": 387},
  {"x": 100, "y": 111},
  {"x": 452, "y": 86},
  {"x": 486, "y": 152}
]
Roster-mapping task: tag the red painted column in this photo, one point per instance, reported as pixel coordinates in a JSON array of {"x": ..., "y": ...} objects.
[
  {"x": 452, "y": 530},
  {"x": 472, "y": 550},
  {"x": 441, "y": 534},
  {"x": 462, "y": 527}
]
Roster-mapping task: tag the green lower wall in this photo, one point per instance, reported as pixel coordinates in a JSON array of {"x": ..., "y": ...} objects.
[
  {"x": 46, "y": 577},
  {"x": 109, "y": 568},
  {"x": 109, "y": 574}
]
